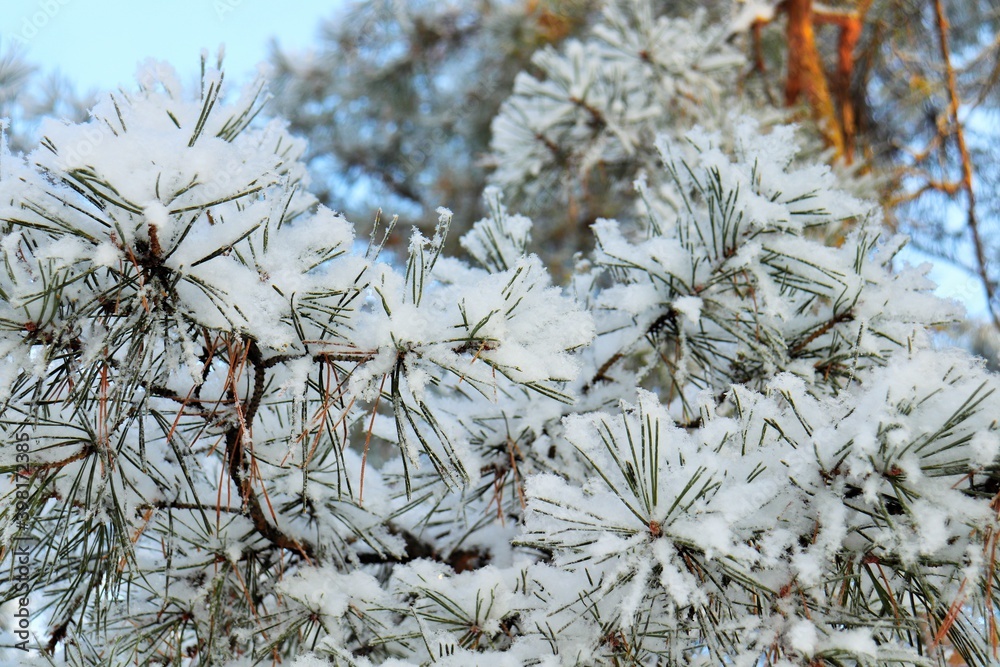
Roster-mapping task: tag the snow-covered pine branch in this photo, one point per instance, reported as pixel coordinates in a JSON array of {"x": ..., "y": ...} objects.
[
  {"x": 191, "y": 344},
  {"x": 729, "y": 440}
]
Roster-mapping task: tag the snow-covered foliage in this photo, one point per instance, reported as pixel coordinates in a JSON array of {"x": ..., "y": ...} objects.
[
  {"x": 400, "y": 103},
  {"x": 396, "y": 98},
  {"x": 183, "y": 329},
  {"x": 728, "y": 440},
  {"x": 583, "y": 123},
  {"x": 601, "y": 100},
  {"x": 728, "y": 284}
]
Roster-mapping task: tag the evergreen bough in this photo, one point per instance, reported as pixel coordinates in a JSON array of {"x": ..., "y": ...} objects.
[{"x": 253, "y": 439}]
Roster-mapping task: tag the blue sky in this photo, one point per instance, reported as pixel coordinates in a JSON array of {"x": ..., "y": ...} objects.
[{"x": 98, "y": 43}]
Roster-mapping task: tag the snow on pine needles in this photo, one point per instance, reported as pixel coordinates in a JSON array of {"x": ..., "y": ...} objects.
[{"x": 728, "y": 440}]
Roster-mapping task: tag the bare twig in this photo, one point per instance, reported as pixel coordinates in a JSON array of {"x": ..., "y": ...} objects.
[
  {"x": 240, "y": 473},
  {"x": 959, "y": 132}
]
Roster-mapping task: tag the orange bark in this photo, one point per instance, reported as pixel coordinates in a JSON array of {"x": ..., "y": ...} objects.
[
  {"x": 850, "y": 33},
  {"x": 829, "y": 100},
  {"x": 805, "y": 72},
  {"x": 850, "y": 24}
]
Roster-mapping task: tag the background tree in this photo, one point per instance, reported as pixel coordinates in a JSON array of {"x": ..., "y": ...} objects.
[
  {"x": 26, "y": 97},
  {"x": 604, "y": 101},
  {"x": 397, "y": 99}
]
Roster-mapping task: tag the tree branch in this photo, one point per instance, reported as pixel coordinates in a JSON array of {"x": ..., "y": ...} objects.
[
  {"x": 806, "y": 75},
  {"x": 236, "y": 453},
  {"x": 963, "y": 149}
]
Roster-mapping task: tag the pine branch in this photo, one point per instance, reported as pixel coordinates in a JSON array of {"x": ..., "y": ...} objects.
[
  {"x": 958, "y": 129},
  {"x": 654, "y": 330},
  {"x": 843, "y": 316},
  {"x": 238, "y": 457},
  {"x": 459, "y": 560}
]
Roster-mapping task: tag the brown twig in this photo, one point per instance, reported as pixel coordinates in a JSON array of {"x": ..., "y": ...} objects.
[
  {"x": 844, "y": 316},
  {"x": 654, "y": 329},
  {"x": 236, "y": 453},
  {"x": 959, "y": 132}
]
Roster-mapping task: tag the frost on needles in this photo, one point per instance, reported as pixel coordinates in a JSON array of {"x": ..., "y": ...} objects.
[{"x": 726, "y": 441}]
